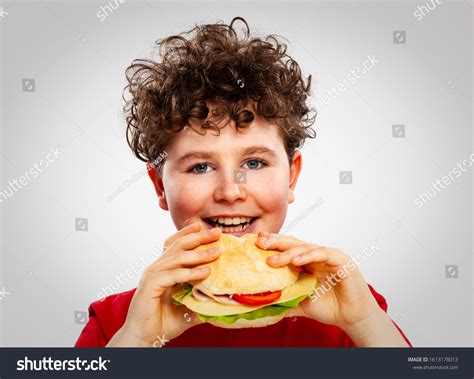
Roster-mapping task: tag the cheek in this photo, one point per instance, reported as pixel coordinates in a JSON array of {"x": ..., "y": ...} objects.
[
  {"x": 187, "y": 198},
  {"x": 270, "y": 191},
  {"x": 271, "y": 200}
]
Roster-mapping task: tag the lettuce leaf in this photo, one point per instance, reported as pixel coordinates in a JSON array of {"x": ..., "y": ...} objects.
[
  {"x": 292, "y": 303},
  {"x": 270, "y": 310},
  {"x": 184, "y": 290}
]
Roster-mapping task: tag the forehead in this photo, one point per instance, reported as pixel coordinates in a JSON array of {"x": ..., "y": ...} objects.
[{"x": 230, "y": 140}]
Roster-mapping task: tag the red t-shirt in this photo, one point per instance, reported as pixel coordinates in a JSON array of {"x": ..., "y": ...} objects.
[{"x": 106, "y": 317}]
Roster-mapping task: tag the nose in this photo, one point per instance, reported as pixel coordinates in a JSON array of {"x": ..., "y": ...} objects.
[{"x": 231, "y": 187}]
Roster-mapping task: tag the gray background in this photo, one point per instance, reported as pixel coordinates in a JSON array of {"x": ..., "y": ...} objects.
[{"x": 51, "y": 271}]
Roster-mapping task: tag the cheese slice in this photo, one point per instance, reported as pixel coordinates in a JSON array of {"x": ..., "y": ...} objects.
[{"x": 303, "y": 286}]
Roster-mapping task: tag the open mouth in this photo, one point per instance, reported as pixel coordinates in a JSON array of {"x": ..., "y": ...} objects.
[{"x": 231, "y": 224}]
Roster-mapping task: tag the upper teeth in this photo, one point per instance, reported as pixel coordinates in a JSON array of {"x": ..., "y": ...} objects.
[{"x": 231, "y": 220}]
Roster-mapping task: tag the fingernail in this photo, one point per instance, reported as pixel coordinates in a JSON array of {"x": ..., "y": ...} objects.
[
  {"x": 298, "y": 258},
  {"x": 213, "y": 230},
  {"x": 203, "y": 269},
  {"x": 213, "y": 250},
  {"x": 274, "y": 258}
]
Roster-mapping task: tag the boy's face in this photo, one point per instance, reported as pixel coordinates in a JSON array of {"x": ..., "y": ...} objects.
[{"x": 242, "y": 173}]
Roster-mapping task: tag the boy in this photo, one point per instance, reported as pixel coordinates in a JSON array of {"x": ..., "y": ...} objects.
[{"x": 214, "y": 104}]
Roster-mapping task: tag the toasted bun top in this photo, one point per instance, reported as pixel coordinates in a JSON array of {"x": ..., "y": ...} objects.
[{"x": 242, "y": 269}]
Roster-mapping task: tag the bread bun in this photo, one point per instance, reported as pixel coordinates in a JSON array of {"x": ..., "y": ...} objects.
[{"x": 242, "y": 269}]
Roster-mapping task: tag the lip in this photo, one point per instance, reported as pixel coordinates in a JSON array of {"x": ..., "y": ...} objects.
[{"x": 250, "y": 229}]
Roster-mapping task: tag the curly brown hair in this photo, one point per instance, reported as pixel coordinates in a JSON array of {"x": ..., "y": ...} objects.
[{"x": 211, "y": 63}]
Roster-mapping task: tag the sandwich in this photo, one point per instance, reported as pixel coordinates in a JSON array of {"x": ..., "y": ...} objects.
[{"x": 242, "y": 290}]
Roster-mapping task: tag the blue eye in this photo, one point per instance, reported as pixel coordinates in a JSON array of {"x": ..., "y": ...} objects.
[
  {"x": 197, "y": 169},
  {"x": 202, "y": 168},
  {"x": 255, "y": 164}
]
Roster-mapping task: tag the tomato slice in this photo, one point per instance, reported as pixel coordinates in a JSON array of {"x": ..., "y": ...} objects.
[{"x": 258, "y": 298}]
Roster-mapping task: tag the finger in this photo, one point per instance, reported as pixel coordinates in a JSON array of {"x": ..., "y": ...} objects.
[
  {"x": 187, "y": 242},
  {"x": 312, "y": 256},
  {"x": 285, "y": 257},
  {"x": 189, "y": 318},
  {"x": 158, "y": 282},
  {"x": 188, "y": 259},
  {"x": 327, "y": 255},
  {"x": 295, "y": 312},
  {"x": 278, "y": 242},
  {"x": 193, "y": 240},
  {"x": 193, "y": 228}
]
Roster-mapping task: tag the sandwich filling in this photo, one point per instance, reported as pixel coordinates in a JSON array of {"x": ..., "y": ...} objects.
[
  {"x": 229, "y": 308},
  {"x": 200, "y": 293}
]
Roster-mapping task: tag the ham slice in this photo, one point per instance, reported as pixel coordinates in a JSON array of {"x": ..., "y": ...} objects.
[{"x": 202, "y": 295}]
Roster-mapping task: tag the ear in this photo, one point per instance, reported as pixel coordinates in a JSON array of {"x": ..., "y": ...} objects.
[
  {"x": 158, "y": 184},
  {"x": 295, "y": 169}
]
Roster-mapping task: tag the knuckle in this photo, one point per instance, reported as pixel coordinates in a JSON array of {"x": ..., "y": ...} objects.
[
  {"x": 145, "y": 279},
  {"x": 341, "y": 253},
  {"x": 318, "y": 249},
  {"x": 147, "y": 275},
  {"x": 186, "y": 273},
  {"x": 207, "y": 232},
  {"x": 187, "y": 256},
  {"x": 164, "y": 280},
  {"x": 200, "y": 256},
  {"x": 166, "y": 246}
]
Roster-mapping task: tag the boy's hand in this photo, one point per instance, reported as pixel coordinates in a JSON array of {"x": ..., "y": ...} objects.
[
  {"x": 348, "y": 300},
  {"x": 344, "y": 299},
  {"x": 152, "y": 318}
]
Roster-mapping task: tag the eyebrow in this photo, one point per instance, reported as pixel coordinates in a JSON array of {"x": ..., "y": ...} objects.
[{"x": 246, "y": 151}]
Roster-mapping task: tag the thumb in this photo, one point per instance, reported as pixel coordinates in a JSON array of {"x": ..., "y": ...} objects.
[
  {"x": 190, "y": 318},
  {"x": 295, "y": 312}
]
